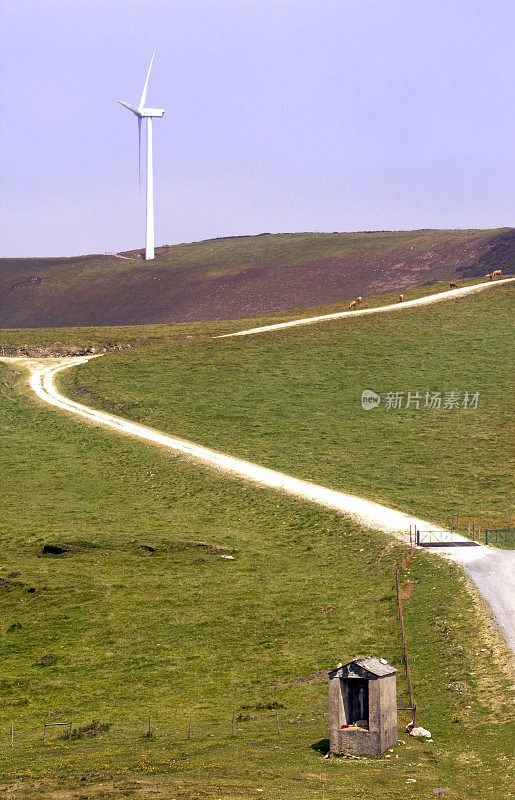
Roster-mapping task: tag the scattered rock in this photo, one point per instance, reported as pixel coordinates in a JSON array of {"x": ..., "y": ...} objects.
[
  {"x": 14, "y": 627},
  {"x": 55, "y": 549},
  {"x": 60, "y": 548},
  {"x": 118, "y": 406},
  {"x": 146, "y": 550},
  {"x": 215, "y": 549},
  {"x": 458, "y": 686},
  {"x": 46, "y": 660},
  {"x": 420, "y": 733}
]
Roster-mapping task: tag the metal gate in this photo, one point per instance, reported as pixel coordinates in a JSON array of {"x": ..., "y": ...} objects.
[
  {"x": 443, "y": 538},
  {"x": 500, "y": 536}
]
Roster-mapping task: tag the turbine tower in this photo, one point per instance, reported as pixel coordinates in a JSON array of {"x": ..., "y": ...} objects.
[{"x": 147, "y": 113}]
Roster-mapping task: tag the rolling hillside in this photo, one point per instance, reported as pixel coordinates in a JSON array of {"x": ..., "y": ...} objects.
[
  {"x": 290, "y": 401},
  {"x": 140, "y": 612},
  {"x": 238, "y": 277}
]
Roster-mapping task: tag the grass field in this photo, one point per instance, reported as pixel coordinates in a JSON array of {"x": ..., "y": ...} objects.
[
  {"x": 110, "y": 633},
  {"x": 136, "y": 618},
  {"x": 242, "y": 276},
  {"x": 291, "y": 400}
]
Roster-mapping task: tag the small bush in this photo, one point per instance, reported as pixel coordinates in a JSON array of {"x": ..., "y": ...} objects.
[
  {"x": 95, "y": 728},
  {"x": 265, "y": 706}
]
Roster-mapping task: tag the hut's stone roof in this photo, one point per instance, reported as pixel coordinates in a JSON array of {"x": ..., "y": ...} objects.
[{"x": 356, "y": 669}]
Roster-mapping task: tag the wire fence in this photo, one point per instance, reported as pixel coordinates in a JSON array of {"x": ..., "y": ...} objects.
[
  {"x": 476, "y": 528},
  {"x": 404, "y": 593}
]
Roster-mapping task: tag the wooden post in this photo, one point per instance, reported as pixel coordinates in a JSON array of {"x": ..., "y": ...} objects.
[
  {"x": 70, "y": 733},
  {"x": 323, "y": 778}
]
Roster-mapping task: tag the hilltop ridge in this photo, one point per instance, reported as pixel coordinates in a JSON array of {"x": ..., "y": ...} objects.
[{"x": 240, "y": 276}]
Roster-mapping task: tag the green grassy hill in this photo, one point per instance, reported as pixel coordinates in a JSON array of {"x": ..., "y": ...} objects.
[
  {"x": 290, "y": 400},
  {"x": 240, "y": 277},
  {"x": 136, "y": 617}
]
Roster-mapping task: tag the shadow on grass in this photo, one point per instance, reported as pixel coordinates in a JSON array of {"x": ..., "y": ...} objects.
[{"x": 321, "y": 746}]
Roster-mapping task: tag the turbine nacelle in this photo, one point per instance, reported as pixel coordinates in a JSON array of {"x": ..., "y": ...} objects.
[
  {"x": 152, "y": 112},
  {"x": 143, "y": 112}
]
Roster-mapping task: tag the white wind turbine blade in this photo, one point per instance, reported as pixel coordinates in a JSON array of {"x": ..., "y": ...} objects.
[
  {"x": 144, "y": 92},
  {"x": 131, "y": 108}
]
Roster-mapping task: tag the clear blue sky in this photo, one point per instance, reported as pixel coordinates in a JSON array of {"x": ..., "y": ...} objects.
[{"x": 281, "y": 115}]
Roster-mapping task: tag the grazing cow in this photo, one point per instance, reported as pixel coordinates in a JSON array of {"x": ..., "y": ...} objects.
[
  {"x": 453, "y": 285},
  {"x": 352, "y": 304},
  {"x": 497, "y": 272},
  {"x": 401, "y": 298},
  {"x": 490, "y": 275},
  {"x": 359, "y": 299}
]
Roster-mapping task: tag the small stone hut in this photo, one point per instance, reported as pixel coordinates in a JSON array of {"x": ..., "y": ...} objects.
[{"x": 362, "y": 707}]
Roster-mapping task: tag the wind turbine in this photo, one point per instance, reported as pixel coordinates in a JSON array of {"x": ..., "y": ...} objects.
[{"x": 147, "y": 113}]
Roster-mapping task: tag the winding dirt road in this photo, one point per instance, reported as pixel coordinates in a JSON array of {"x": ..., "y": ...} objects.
[
  {"x": 493, "y": 571},
  {"x": 360, "y": 312}
]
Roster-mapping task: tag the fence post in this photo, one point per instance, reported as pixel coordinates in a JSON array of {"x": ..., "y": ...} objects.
[
  {"x": 486, "y": 535},
  {"x": 418, "y": 537}
]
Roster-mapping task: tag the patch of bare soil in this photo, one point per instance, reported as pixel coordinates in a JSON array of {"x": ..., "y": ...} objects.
[{"x": 83, "y": 788}]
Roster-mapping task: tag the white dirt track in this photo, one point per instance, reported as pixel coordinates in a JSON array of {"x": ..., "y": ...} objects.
[
  {"x": 493, "y": 571},
  {"x": 360, "y": 312}
]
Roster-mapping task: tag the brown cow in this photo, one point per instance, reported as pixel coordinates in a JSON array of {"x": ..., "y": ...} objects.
[
  {"x": 401, "y": 298},
  {"x": 490, "y": 275},
  {"x": 352, "y": 304},
  {"x": 453, "y": 285},
  {"x": 359, "y": 299},
  {"x": 497, "y": 272}
]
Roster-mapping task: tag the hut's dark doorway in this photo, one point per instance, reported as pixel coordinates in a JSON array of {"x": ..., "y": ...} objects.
[{"x": 358, "y": 700}]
